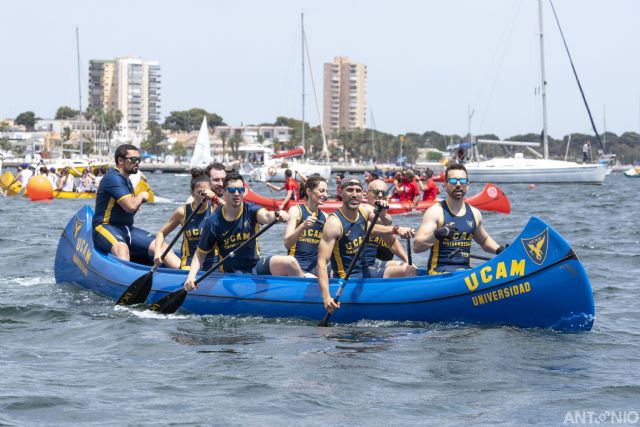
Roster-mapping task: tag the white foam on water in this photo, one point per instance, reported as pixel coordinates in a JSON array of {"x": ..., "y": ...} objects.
[
  {"x": 160, "y": 199},
  {"x": 30, "y": 281},
  {"x": 148, "y": 314}
]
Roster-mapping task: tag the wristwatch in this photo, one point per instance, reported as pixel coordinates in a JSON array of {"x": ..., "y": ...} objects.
[{"x": 396, "y": 228}]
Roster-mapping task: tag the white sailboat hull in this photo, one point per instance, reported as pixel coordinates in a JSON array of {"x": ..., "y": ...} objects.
[{"x": 502, "y": 171}]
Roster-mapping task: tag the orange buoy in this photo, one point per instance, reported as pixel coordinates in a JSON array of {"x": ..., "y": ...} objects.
[
  {"x": 532, "y": 186},
  {"x": 39, "y": 188}
]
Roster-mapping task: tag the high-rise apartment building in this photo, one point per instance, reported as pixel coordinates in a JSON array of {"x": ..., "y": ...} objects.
[
  {"x": 344, "y": 95},
  {"x": 131, "y": 85}
]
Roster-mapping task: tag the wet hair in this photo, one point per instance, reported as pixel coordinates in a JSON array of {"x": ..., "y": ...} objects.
[
  {"x": 217, "y": 166},
  {"x": 311, "y": 184},
  {"x": 232, "y": 177},
  {"x": 121, "y": 151},
  {"x": 198, "y": 175},
  {"x": 288, "y": 173},
  {"x": 455, "y": 166}
]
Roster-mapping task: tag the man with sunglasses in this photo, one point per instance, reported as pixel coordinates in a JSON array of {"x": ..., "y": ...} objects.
[
  {"x": 232, "y": 225},
  {"x": 381, "y": 248},
  {"x": 448, "y": 227},
  {"x": 116, "y": 205},
  {"x": 344, "y": 233}
]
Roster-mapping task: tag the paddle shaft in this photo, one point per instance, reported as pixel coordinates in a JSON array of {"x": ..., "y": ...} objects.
[
  {"x": 409, "y": 251},
  {"x": 343, "y": 281},
  {"x": 177, "y": 236},
  {"x": 480, "y": 257},
  {"x": 233, "y": 253}
]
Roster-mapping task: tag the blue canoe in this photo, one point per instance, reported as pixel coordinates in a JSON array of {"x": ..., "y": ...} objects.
[{"x": 536, "y": 282}]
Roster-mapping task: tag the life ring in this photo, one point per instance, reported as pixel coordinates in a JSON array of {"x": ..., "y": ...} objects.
[{"x": 271, "y": 171}]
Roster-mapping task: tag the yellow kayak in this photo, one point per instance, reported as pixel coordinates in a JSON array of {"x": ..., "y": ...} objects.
[{"x": 7, "y": 177}]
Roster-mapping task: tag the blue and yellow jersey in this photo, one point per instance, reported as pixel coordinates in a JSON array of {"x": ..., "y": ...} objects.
[
  {"x": 346, "y": 246},
  {"x": 305, "y": 249},
  {"x": 370, "y": 251},
  {"x": 226, "y": 236},
  {"x": 454, "y": 251},
  {"x": 192, "y": 233},
  {"x": 113, "y": 188}
]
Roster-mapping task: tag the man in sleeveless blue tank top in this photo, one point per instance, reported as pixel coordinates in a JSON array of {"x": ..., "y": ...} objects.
[
  {"x": 232, "y": 225},
  {"x": 116, "y": 205},
  {"x": 344, "y": 233},
  {"x": 448, "y": 227}
]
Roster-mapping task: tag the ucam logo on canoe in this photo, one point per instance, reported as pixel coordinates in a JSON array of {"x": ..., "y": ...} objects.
[{"x": 536, "y": 246}]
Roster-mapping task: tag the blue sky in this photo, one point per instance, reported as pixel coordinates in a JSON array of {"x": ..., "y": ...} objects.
[{"x": 427, "y": 60}]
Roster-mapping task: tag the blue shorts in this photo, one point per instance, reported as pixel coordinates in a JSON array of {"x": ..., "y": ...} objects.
[
  {"x": 377, "y": 270},
  {"x": 260, "y": 268},
  {"x": 138, "y": 240},
  {"x": 451, "y": 268}
]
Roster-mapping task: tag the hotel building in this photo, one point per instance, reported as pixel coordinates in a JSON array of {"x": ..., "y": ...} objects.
[{"x": 344, "y": 95}]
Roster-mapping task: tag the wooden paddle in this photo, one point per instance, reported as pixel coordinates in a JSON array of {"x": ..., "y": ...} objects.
[
  {"x": 343, "y": 281},
  {"x": 172, "y": 302},
  {"x": 139, "y": 290}
]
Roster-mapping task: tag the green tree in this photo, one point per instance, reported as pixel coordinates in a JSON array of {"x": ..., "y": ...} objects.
[
  {"x": 65, "y": 112},
  {"x": 5, "y": 145},
  {"x": 190, "y": 120},
  {"x": 27, "y": 119},
  {"x": 234, "y": 142},
  {"x": 179, "y": 151},
  {"x": 224, "y": 135},
  {"x": 155, "y": 136}
]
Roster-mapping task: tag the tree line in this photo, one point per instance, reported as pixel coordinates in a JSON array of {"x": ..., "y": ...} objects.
[{"x": 362, "y": 145}]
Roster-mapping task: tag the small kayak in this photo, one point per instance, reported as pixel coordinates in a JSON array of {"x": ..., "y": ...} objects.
[
  {"x": 491, "y": 198},
  {"x": 7, "y": 177},
  {"x": 538, "y": 281}
]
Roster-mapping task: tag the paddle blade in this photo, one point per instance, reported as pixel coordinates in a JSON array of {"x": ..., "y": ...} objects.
[
  {"x": 170, "y": 303},
  {"x": 325, "y": 320},
  {"x": 138, "y": 292}
]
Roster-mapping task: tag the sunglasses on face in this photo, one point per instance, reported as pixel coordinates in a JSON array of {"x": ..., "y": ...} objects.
[
  {"x": 454, "y": 181},
  {"x": 378, "y": 193},
  {"x": 234, "y": 190},
  {"x": 133, "y": 159}
]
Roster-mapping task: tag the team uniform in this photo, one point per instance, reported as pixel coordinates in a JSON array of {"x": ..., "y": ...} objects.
[
  {"x": 432, "y": 190},
  {"x": 376, "y": 245},
  {"x": 452, "y": 254},
  {"x": 346, "y": 246},
  {"x": 225, "y": 236},
  {"x": 292, "y": 185},
  {"x": 305, "y": 249},
  {"x": 112, "y": 224},
  {"x": 192, "y": 233}
]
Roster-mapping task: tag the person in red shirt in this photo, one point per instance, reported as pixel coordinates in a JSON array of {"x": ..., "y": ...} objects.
[
  {"x": 429, "y": 188},
  {"x": 409, "y": 190},
  {"x": 291, "y": 187}
]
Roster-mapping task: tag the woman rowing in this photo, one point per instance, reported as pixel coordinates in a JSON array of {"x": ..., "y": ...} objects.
[
  {"x": 306, "y": 221},
  {"x": 200, "y": 190}
]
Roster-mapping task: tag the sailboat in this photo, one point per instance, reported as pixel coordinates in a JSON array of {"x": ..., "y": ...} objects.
[
  {"x": 275, "y": 163},
  {"x": 202, "y": 151},
  {"x": 538, "y": 170}
]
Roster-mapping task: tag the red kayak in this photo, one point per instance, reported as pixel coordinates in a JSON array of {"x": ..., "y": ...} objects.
[{"x": 491, "y": 198}]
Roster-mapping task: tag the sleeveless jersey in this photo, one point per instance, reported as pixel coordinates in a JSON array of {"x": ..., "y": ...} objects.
[
  {"x": 460, "y": 243},
  {"x": 346, "y": 246},
  {"x": 225, "y": 236},
  {"x": 192, "y": 233},
  {"x": 371, "y": 250},
  {"x": 305, "y": 249}
]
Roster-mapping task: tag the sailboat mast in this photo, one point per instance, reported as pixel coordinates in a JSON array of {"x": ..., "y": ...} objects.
[
  {"x": 79, "y": 90},
  {"x": 302, "y": 57},
  {"x": 543, "y": 84}
]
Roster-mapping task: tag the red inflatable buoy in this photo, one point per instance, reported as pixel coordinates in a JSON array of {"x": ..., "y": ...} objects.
[{"x": 39, "y": 188}]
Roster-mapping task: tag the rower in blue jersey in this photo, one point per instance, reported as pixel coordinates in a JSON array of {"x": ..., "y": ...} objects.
[
  {"x": 377, "y": 190},
  {"x": 200, "y": 190},
  {"x": 306, "y": 221},
  {"x": 116, "y": 205},
  {"x": 344, "y": 233},
  {"x": 232, "y": 225},
  {"x": 448, "y": 227}
]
